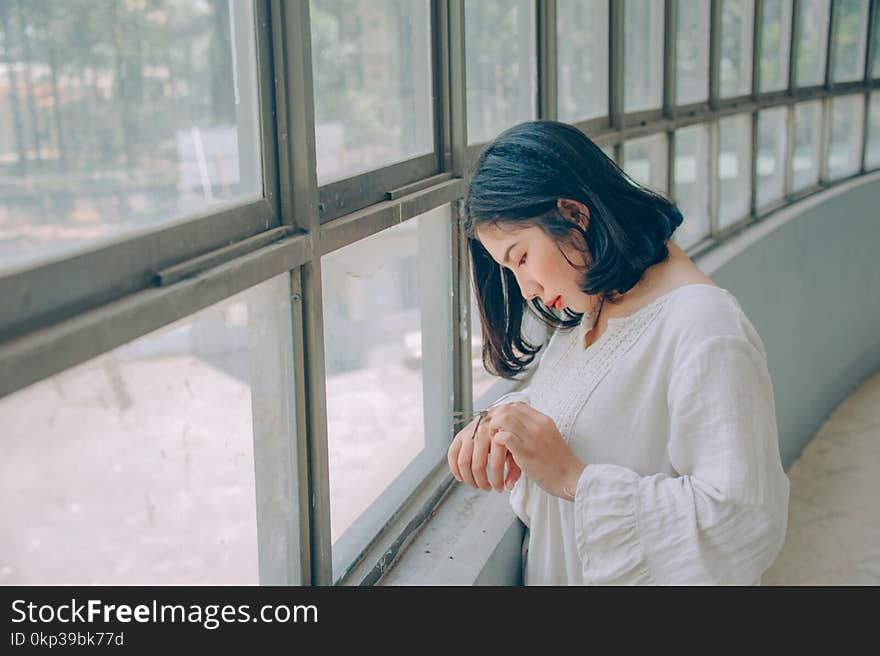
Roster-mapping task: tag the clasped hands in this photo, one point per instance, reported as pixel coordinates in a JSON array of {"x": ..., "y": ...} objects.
[{"x": 516, "y": 435}]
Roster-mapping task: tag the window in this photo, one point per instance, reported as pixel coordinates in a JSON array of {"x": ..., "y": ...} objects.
[
  {"x": 643, "y": 56},
  {"x": 775, "y": 44},
  {"x": 736, "y": 47},
  {"x": 139, "y": 465},
  {"x": 813, "y": 19},
  {"x": 645, "y": 161},
  {"x": 582, "y": 53},
  {"x": 770, "y": 162},
  {"x": 692, "y": 51},
  {"x": 849, "y": 40},
  {"x": 807, "y": 141},
  {"x": 501, "y": 65},
  {"x": 137, "y": 118},
  {"x": 692, "y": 184},
  {"x": 734, "y": 170},
  {"x": 389, "y": 378},
  {"x": 845, "y": 137},
  {"x": 372, "y": 77},
  {"x": 481, "y": 379}
]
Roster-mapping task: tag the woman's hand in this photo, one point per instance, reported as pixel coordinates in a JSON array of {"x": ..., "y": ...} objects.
[
  {"x": 537, "y": 447},
  {"x": 470, "y": 453}
]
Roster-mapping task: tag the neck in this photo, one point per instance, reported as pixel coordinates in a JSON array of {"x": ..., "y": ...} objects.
[{"x": 623, "y": 303}]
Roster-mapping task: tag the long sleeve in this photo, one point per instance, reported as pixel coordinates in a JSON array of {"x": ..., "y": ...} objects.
[{"x": 722, "y": 520}]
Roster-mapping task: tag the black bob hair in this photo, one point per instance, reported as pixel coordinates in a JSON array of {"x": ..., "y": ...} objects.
[{"x": 516, "y": 182}]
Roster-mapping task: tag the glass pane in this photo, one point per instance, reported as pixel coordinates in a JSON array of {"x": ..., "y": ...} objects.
[
  {"x": 645, "y": 161},
  {"x": 501, "y": 65},
  {"x": 812, "y": 42},
  {"x": 582, "y": 52},
  {"x": 734, "y": 169},
  {"x": 872, "y": 149},
  {"x": 805, "y": 150},
  {"x": 845, "y": 139},
  {"x": 692, "y": 184},
  {"x": 737, "y": 32},
  {"x": 850, "y": 38},
  {"x": 388, "y": 358},
  {"x": 692, "y": 51},
  {"x": 137, "y": 467},
  {"x": 372, "y": 77},
  {"x": 482, "y": 379},
  {"x": 643, "y": 55},
  {"x": 775, "y": 44},
  {"x": 115, "y": 121},
  {"x": 771, "y": 155}
]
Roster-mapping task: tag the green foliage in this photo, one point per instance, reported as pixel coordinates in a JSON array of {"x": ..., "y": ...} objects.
[{"x": 114, "y": 80}]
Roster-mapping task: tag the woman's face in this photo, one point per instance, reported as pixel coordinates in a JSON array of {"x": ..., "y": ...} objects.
[{"x": 540, "y": 268}]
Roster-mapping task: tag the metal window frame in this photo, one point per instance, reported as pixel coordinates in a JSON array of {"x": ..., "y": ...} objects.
[{"x": 547, "y": 100}]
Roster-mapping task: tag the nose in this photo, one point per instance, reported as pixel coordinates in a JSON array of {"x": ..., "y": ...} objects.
[{"x": 529, "y": 288}]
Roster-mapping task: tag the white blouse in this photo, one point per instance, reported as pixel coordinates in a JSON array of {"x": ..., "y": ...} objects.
[{"x": 672, "y": 411}]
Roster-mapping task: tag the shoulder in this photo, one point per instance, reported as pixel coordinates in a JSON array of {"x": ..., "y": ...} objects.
[{"x": 699, "y": 315}]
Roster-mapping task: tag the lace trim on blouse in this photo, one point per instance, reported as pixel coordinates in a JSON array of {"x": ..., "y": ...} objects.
[{"x": 580, "y": 369}]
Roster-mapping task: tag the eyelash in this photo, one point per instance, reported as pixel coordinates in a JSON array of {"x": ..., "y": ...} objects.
[{"x": 523, "y": 259}]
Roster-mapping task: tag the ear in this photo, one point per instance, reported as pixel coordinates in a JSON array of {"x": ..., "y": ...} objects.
[{"x": 574, "y": 211}]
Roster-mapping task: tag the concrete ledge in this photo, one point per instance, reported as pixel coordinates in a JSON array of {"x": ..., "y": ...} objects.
[{"x": 473, "y": 538}]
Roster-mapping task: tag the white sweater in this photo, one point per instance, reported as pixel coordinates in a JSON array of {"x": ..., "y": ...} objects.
[{"x": 672, "y": 411}]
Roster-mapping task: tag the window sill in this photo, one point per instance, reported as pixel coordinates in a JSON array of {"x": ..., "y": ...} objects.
[{"x": 473, "y": 538}]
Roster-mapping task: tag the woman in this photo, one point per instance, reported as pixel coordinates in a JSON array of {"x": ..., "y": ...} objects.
[{"x": 644, "y": 449}]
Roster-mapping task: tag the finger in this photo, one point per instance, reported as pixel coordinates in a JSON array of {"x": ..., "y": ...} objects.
[
  {"x": 509, "y": 420},
  {"x": 509, "y": 440},
  {"x": 452, "y": 458},
  {"x": 456, "y": 459},
  {"x": 465, "y": 454},
  {"x": 513, "y": 472},
  {"x": 479, "y": 460},
  {"x": 497, "y": 458}
]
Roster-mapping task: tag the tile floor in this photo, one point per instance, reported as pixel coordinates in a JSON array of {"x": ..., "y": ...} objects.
[{"x": 834, "y": 510}]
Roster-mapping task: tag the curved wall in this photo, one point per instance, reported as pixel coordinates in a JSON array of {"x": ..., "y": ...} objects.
[{"x": 809, "y": 279}]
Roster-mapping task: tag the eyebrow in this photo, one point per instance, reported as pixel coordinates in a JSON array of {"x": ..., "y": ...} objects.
[{"x": 507, "y": 252}]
